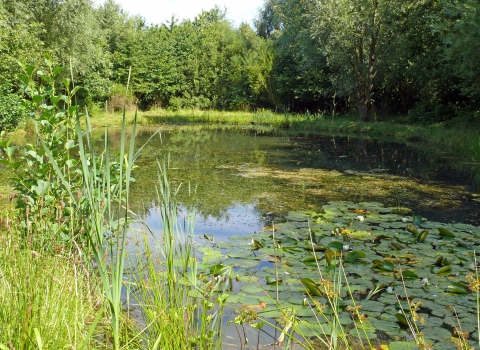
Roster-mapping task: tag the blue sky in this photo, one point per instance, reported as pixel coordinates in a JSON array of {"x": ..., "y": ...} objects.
[{"x": 159, "y": 11}]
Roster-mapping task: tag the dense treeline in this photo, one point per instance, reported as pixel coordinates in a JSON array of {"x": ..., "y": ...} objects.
[
  {"x": 390, "y": 56},
  {"x": 371, "y": 57}
]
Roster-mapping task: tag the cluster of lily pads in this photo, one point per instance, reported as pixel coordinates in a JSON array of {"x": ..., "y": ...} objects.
[{"x": 398, "y": 270}]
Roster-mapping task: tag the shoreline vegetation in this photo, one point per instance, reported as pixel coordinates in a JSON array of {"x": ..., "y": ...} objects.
[{"x": 457, "y": 138}]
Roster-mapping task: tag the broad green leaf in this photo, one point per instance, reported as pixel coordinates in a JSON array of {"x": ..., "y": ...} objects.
[{"x": 444, "y": 232}]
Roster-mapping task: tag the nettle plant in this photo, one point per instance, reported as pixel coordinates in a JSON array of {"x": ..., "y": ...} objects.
[{"x": 48, "y": 177}]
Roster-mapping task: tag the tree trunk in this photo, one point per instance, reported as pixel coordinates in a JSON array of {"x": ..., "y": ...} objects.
[{"x": 363, "y": 111}]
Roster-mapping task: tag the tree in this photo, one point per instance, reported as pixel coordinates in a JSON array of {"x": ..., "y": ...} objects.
[
  {"x": 19, "y": 32},
  {"x": 348, "y": 32},
  {"x": 462, "y": 44}
]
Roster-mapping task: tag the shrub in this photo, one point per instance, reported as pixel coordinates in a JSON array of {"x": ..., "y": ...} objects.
[{"x": 12, "y": 111}]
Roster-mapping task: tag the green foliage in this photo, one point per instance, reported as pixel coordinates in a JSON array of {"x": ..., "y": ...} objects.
[
  {"x": 42, "y": 298},
  {"x": 39, "y": 191},
  {"x": 12, "y": 111},
  {"x": 69, "y": 195},
  {"x": 375, "y": 57}
]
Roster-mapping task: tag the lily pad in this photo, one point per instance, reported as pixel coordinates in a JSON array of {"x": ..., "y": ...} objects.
[
  {"x": 402, "y": 345},
  {"x": 239, "y": 254},
  {"x": 436, "y": 333}
]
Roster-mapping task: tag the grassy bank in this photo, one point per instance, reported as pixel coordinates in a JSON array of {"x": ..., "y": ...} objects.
[{"x": 47, "y": 300}]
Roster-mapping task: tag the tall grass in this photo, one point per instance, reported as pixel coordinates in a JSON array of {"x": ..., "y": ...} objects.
[
  {"x": 46, "y": 301},
  {"x": 102, "y": 202},
  {"x": 180, "y": 310}
]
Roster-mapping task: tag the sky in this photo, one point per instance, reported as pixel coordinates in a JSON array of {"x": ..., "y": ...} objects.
[{"x": 160, "y": 11}]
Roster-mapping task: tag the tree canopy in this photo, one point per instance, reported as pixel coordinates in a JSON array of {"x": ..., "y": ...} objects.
[{"x": 367, "y": 57}]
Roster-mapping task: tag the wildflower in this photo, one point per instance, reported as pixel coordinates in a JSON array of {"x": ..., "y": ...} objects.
[
  {"x": 473, "y": 283},
  {"x": 360, "y": 218}
]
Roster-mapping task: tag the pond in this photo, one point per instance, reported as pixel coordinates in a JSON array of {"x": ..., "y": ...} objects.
[
  {"x": 235, "y": 178},
  {"x": 341, "y": 197}
]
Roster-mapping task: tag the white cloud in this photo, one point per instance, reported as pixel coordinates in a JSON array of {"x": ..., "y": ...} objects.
[{"x": 160, "y": 11}]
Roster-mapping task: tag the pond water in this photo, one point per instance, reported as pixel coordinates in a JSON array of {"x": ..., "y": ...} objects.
[
  {"x": 243, "y": 184},
  {"x": 234, "y": 179}
]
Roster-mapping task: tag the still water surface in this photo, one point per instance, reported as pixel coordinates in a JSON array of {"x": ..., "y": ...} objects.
[{"x": 239, "y": 181}]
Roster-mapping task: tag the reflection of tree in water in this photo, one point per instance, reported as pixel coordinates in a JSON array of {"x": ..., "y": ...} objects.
[
  {"x": 346, "y": 153},
  {"x": 217, "y": 170},
  {"x": 196, "y": 160}
]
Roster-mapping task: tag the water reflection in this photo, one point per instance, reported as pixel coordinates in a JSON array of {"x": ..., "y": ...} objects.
[{"x": 222, "y": 173}]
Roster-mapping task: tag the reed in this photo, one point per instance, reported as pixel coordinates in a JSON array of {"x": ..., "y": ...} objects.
[{"x": 180, "y": 309}]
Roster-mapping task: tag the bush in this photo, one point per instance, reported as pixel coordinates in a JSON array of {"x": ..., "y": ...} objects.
[{"x": 12, "y": 111}]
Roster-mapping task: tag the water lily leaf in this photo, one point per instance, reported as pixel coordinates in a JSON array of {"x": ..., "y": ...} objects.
[
  {"x": 402, "y": 318},
  {"x": 462, "y": 243},
  {"x": 336, "y": 246},
  {"x": 298, "y": 299},
  {"x": 288, "y": 241},
  {"x": 364, "y": 235},
  {"x": 396, "y": 245},
  {"x": 385, "y": 326},
  {"x": 403, "y": 345},
  {"x": 406, "y": 274},
  {"x": 272, "y": 279},
  {"x": 392, "y": 225},
  {"x": 383, "y": 265},
  {"x": 351, "y": 257},
  {"x": 436, "y": 333},
  {"x": 412, "y": 229},
  {"x": 308, "y": 329},
  {"x": 248, "y": 300},
  {"x": 239, "y": 253},
  {"x": 312, "y": 259},
  {"x": 247, "y": 279},
  {"x": 207, "y": 250},
  {"x": 417, "y": 220},
  {"x": 311, "y": 287},
  {"x": 314, "y": 247},
  {"x": 444, "y": 232},
  {"x": 272, "y": 252},
  {"x": 298, "y": 216},
  {"x": 444, "y": 270},
  {"x": 363, "y": 334},
  {"x": 458, "y": 288},
  {"x": 422, "y": 236}
]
